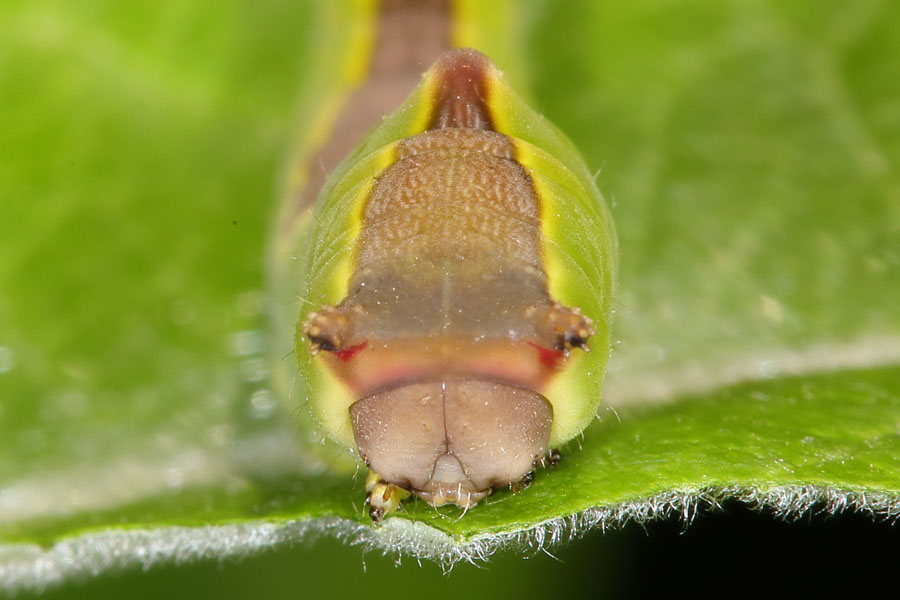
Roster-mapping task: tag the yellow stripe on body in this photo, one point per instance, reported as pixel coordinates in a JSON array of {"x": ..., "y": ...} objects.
[
  {"x": 340, "y": 216},
  {"x": 576, "y": 256},
  {"x": 495, "y": 29},
  {"x": 342, "y": 209},
  {"x": 361, "y": 32},
  {"x": 574, "y": 271}
]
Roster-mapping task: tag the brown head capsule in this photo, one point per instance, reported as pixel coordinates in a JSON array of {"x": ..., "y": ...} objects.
[{"x": 452, "y": 441}]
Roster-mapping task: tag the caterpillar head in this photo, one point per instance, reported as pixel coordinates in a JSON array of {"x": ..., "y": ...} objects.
[{"x": 453, "y": 440}]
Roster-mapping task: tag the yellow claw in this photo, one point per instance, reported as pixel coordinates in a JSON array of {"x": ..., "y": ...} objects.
[{"x": 383, "y": 497}]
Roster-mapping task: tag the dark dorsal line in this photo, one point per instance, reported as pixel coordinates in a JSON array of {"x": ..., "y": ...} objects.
[
  {"x": 461, "y": 91},
  {"x": 410, "y": 36}
]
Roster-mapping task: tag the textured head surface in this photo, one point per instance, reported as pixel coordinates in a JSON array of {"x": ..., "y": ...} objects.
[{"x": 452, "y": 441}]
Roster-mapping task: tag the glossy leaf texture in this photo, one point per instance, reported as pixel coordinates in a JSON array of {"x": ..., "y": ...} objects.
[{"x": 750, "y": 152}]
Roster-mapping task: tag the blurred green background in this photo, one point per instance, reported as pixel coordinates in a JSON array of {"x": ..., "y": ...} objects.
[{"x": 749, "y": 149}]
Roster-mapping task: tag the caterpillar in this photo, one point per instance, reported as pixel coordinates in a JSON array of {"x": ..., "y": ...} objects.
[{"x": 457, "y": 272}]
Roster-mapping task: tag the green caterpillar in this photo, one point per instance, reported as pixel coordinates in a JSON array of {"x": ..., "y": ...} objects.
[{"x": 457, "y": 268}]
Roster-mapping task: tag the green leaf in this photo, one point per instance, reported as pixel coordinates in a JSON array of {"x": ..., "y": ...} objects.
[{"x": 750, "y": 151}]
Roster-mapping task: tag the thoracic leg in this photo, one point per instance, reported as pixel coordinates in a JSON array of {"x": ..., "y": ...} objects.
[
  {"x": 561, "y": 327},
  {"x": 383, "y": 497},
  {"x": 332, "y": 328}
]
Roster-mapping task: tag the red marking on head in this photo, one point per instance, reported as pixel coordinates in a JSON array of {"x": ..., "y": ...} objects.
[
  {"x": 548, "y": 357},
  {"x": 348, "y": 353}
]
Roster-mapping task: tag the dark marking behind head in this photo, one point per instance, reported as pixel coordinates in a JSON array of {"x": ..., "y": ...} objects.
[{"x": 461, "y": 92}]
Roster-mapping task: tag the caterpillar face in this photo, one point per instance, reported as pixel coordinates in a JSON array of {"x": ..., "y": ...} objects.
[
  {"x": 461, "y": 262},
  {"x": 452, "y": 439}
]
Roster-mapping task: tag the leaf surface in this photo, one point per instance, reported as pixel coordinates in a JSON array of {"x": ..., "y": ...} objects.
[{"x": 750, "y": 152}]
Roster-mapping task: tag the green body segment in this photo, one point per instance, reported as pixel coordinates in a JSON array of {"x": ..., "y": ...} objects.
[{"x": 578, "y": 247}]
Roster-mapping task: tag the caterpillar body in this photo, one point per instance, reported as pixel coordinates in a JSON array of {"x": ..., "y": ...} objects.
[{"x": 457, "y": 268}]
